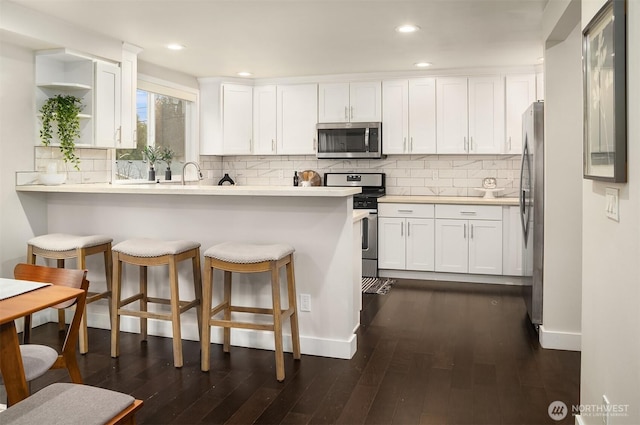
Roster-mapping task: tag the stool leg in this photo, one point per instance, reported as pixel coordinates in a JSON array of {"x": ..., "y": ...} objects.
[
  {"x": 293, "y": 304},
  {"x": 175, "y": 312},
  {"x": 227, "y": 311},
  {"x": 84, "y": 335},
  {"x": 197, "y": 288},
  {"x": 61, "y": 317},
  {"x": 205, "y": 334},
  {"x": 31, "y": 257},
  {"x": 277, "y": 321},
  {"x": 115, "y": 306},
  {"x": 143, "y": 301},
  {"x": 108, "y": 274},
  {"x": 26, "y": 334}
]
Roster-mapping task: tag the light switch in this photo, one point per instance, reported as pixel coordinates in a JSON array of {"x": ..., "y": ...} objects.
[{"x": 612, "y": 203}]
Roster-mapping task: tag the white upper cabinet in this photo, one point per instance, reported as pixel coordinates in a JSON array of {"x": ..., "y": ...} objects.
[
  {"x": 470, "y": 115},
  {"x": 297, "y": 116},
  {"x": 107, "y": 105},
  {"x": 95, "y": 82},
  {"x": 350, "y": 102},
  {"x": 237, "y": 119},
  {"x": 409, "y": 116},
  {"x": 520, "y": 92},
  {"x": 452, "y": 115},
  {"x": 264, "y": 120},
  {"x": 486, "y": 115}
]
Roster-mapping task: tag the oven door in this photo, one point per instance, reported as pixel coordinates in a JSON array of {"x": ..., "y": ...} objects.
[{"x": 370, "y": 236}]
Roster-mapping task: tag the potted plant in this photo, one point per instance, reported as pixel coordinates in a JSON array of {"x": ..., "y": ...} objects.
[
  {"x": 167, "y": 155},
  {"x": 152, "y": 155},
  {"x": 63, "y": 110}
]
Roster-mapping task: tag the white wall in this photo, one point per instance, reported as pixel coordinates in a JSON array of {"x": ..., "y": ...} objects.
[
  {"x": 20, "y": 215},
  {"x": 611, "y": 264},
  {"x": 563, "y": 178}
]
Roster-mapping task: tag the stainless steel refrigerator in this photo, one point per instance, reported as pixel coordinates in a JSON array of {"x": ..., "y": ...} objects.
[{"x": 532, "y": 208}]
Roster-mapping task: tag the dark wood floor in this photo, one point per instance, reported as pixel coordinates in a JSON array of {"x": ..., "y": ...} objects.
[{"x": 428, "y": 353}]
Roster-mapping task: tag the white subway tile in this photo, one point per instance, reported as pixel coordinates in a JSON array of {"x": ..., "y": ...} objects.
[
  {"x": 410, "y": 164},
  {"x": 422, "y": 191},
  {"x": 454, "y": 173},
  {"x": 438, "y": 164}
]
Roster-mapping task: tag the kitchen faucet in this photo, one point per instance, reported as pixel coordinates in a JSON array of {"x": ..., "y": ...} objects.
[{"x": 197, "y": 168}]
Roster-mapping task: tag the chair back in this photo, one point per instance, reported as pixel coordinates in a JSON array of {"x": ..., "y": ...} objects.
[{"x": 65, "y": 277}]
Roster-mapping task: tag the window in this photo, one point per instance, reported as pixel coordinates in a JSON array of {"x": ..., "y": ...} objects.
[{"x": 165, "y": 119}]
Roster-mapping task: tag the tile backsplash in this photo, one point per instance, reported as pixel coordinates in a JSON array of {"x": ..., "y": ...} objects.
[{"x": 439, "y": 175}]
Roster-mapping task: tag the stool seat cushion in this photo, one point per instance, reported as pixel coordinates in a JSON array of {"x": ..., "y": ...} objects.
[
  {"x": 245, "y": 253},
  {"x": 153, "y": 247},
  {"x": 67, "y": 404},
  {"x": 65, "y": 242}
]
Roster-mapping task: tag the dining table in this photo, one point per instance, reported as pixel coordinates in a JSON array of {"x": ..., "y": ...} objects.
[{"x": 21, "y": 302}]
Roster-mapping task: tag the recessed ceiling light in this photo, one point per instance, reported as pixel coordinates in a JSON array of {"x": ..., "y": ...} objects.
[
  {"x": 245, "y": 74},
  {"x": 407, "y": 28},
  {"x": 175, "y": 46},
  {"x": 422, "y": 64}
]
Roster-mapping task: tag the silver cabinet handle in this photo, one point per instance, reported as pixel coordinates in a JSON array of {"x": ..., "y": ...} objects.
[
  {"x": 468, "y": 212},
  {"x": 465, "y": 144},
  {"x": 401, "y": 229},
  {"x": 119, "y": 135},
  {"x": 408, "y": 229},
  {"x": 346, "y": 113},
  {"x": 509, "y": 143},
  {"x": 411, "y": 144},
  {"x": 404, "y": 145},
  {"x": 250, "y": 146},
  {"x": 471, "y": 144},
  {"x": 464, "y": 235},
  {"x": 471, "y": 230},
  {"x": 273, "y": 145},
  {"x": 135, "y": 137},
  {"x": 405, "y": 211},
  {"x": 315, "y": 143},
  {"x": 352, "y": 112}
]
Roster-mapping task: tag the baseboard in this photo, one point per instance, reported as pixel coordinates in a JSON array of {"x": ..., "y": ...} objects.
[
  {"x": 555, "y": 340},
  {"x": 339, "y": 349},
  {"x": 579, "y": 420},
  {"x": 452, "y": 277}
]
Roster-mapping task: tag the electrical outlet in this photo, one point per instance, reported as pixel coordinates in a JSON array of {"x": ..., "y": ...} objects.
[
  {"x": 305, "y": 302},
  {"x": 606, "y": 405}
]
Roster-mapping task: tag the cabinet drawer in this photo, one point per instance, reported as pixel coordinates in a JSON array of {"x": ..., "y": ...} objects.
[
  {"x": 406, "y": 210},
  {"x": 478, "y": 212}
]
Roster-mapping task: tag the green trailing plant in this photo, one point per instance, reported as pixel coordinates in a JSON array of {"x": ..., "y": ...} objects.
[{"x": 63, "y": 110}]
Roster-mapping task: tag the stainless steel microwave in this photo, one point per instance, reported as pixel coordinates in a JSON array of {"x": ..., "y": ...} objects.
[{"x": 350, "y": 140}]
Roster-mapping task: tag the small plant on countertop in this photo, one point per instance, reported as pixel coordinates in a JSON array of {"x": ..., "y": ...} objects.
[
  {"x": 152, "y": 155},
  {"x": 64, "y": 110},
  {"x": 166, "y": 155}
]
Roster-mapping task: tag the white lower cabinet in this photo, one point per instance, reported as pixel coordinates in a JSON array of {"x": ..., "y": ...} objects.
[
  {"x": 468, "y": 239},
  {"x": 405, "y": 237}
]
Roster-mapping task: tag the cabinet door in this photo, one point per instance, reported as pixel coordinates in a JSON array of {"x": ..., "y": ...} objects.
[
  {"x": 107, "y": 114},
  {"x": 452, "y": 247},
  {"x": 237, "y": 117},
  {"x": 485, "y": 247},
  {"x": 210, "y": 116},
  {"x": 333, "y": 102},
  {"x": 264, "y": 120},
  {"x": 395, "y": 116},
  {"x": 420, "y": 244},
  {"x": 297, "y": 118},
  {"x": 422, "y": 115},
  {"x": 486, "y": 115},
  {"x": 391, "y": 243},
  {"x": 452, "y": 115},
  {"x": 365, "y": 102},
  {"x": 520, "y": 93},
  {"x": 129, "y": 83}
]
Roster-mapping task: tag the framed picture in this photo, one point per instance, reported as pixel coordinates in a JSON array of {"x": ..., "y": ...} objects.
[{"x": 605, "y": 94}]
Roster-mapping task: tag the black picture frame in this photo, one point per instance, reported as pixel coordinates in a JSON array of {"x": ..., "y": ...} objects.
[{"x": 604, "y": 61}]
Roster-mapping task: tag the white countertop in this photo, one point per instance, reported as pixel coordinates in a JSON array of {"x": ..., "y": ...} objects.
[
  {"x": 460, "y": 200},
  {"x": 176, "y": 189}
]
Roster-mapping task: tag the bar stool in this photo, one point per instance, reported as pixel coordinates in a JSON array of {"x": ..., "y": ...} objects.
[
  {"x": 61, "y": 247},
  {"x": 151, "y": 252},
  {"x": 248, "y": 258}
]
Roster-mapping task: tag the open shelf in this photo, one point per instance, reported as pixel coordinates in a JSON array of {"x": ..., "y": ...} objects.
[{"x": 64, "y": 86}]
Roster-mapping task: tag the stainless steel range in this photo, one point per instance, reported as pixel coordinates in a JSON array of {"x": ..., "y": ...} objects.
[{"x": 373, "y": 187}]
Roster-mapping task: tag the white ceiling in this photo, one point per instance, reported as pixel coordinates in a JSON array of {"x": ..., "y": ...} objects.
[{"x": 313, "y": 37}]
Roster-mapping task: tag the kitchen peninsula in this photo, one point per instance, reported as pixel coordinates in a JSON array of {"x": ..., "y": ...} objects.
[{"x": 318, "y": 221}]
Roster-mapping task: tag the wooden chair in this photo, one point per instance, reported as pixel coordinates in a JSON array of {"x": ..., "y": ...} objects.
[{"x": 37, "y": 359}]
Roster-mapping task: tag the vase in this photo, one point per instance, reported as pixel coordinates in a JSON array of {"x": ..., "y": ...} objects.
[
  {"x": 152, "y": 174},
  {"x": 167, "y": 174}
]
